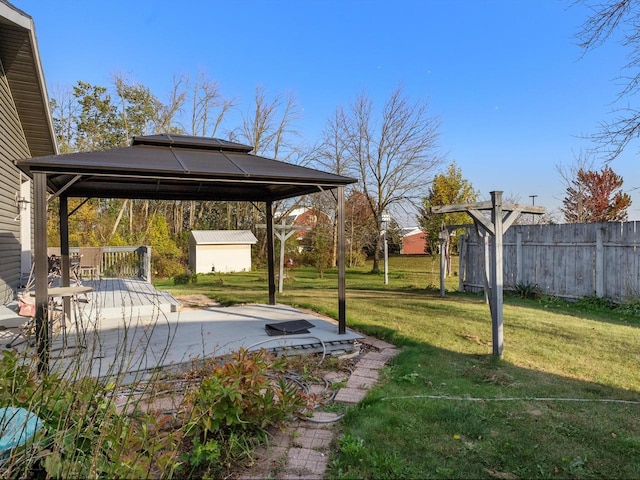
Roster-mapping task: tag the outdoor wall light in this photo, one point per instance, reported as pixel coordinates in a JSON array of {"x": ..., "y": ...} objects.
[{"x": 22, "y": 203}]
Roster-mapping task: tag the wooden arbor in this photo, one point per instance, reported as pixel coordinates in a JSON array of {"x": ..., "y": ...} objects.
[{"x": 493, "y": 227}]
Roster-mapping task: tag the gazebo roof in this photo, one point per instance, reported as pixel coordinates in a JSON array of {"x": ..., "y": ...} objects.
[{"x": 179, "y": 167}]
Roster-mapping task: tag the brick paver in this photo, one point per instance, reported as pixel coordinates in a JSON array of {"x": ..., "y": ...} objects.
[{"x": 302, "y": 451}]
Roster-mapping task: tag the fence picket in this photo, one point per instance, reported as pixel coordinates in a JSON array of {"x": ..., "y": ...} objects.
[{"x": 563, "y": 260}]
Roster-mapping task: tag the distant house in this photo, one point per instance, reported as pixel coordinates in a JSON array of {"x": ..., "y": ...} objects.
[
  {"x": 26, "y": 130},
  {"x": 307, "y": 217},
  {"x": 414, "y": 241},
  {"x": 220, "y": 250}
]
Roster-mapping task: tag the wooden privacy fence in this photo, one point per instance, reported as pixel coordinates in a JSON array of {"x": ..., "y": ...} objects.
[{"x": 569, "y": 261}]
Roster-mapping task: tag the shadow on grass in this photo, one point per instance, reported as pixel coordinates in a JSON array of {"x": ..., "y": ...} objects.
[{"x": 444, "y": 414}]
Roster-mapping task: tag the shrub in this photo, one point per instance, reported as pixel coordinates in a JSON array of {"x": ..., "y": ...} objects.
[
  {"x": 83, "y": 435},
  {"x": 185, "y": 278},
  {"x": 527, "y": 290},
  {"x": 234, "y": 406},
  {"x": 166, "y": 267}
]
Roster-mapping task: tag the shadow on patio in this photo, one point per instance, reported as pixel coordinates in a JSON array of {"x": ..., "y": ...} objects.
[{"x": 127, "y": 329}]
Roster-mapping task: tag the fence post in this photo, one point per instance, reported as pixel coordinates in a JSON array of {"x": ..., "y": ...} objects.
[
  {"x": 461, "y": 261},
  {"x": 518, "y": 258},
  {"x": 599, "y": 267}
]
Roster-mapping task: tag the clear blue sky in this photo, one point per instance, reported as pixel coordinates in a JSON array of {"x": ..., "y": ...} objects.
[{"x": 513, "y": 92}]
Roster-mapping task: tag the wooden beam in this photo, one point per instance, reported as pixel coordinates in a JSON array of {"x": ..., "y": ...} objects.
[
  {"x": 481, "y": 221},
  {"x": 509, "y": 218},
  {"x": 496, "y": 275},
  {"x": 507, "y": 207},
  {"x": 461, "y": 207}
]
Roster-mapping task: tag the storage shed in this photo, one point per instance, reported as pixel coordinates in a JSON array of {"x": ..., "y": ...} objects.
[{"x": 220, "y": 250}]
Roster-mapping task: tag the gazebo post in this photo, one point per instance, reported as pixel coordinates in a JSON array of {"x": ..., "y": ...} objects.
[
  {"x": 342, "y": 322},
  {"x": 271, "y": 254},
  {"x": 41, "y": 270},
  {"x": 64, "y": 250}
]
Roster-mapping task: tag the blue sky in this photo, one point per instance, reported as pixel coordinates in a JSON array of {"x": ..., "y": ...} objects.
[{"x": 514, "y": 94}]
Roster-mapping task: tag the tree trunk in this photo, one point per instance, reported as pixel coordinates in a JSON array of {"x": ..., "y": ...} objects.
[{"x": 376, "y": 256}]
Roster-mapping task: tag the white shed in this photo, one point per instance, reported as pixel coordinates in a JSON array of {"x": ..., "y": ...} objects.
[{"x": 220, "y": 250}]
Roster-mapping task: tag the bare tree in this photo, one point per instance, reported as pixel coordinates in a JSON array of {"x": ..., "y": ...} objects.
[
  {"x": 64, "y": 110},
  {"x": 168, "y": 115},
  {"x": 209, "y": 107},
  {"x": 333, "y": 155},
  {"x": 270, "y": 128},
  {"x": 609, "y": 17},
  {"x": 393, "y": 158}
]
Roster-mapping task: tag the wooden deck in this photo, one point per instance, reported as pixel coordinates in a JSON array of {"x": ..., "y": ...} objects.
[
  {"x": 125, "y": 297},
  {"x": 127, "y": 330}
]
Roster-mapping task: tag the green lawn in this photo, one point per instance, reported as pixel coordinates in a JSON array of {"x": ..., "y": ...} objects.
[{"x": 554, "y": 406}]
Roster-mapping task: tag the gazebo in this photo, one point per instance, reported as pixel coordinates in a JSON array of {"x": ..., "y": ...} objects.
[{"x": 169, "y": 167}]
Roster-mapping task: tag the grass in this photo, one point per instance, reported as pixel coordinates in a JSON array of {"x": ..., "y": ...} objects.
[{"x": 445, "y": 407}]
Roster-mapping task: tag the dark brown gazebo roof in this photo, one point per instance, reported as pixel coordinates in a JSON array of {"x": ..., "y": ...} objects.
[
  {"x": 169, "y": 167},
  {"x": 179, "y": 167}
]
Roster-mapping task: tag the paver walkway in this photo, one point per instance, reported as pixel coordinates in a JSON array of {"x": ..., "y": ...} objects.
[{"x": 301, "y": 451}]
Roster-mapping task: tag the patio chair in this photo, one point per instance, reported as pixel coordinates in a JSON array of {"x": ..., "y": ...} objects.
[
  {"x": 90, "y": 261},
  {"x": 23, "y": 324},
  {"x": 24, "y": 330}
]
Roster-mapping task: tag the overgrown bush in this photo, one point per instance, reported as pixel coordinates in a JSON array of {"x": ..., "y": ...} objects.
[
  {"x": 185, "y": 278},
  {"x": 83, "y": 435},
  {"x": 235, "y": 404},
  {"x": 166, "y": 267}
]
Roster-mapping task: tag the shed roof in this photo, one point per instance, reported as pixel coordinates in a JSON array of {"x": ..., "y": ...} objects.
[
  {"x": 223, "y": 237},
  {"x": 179, "y": 167}
]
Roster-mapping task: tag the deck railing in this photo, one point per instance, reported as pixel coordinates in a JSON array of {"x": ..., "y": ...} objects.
[{"x": 129, "y": 261}]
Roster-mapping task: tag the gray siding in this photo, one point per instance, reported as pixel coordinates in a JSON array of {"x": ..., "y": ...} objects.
[{"x": 12, "y": 146}]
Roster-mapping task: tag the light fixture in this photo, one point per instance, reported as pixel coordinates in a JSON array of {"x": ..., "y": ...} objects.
[{"x": 22, "y": 203}]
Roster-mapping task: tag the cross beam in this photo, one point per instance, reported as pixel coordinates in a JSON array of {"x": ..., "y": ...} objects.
[
  {"x": 494, "y": 227},
  {"x": 284, "y": 232}
]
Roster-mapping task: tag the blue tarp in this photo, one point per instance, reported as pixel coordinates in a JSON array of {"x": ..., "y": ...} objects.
[{"x": 17, "y": 426}]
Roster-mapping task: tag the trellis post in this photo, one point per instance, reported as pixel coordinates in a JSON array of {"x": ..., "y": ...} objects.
[{"x": 493, "y": 227}]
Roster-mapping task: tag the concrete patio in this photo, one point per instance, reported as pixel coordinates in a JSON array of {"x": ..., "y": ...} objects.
[{"x": 125, "y": 328}]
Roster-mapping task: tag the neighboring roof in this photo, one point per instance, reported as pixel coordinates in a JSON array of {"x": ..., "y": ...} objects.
[
  {"x": 179, "y": 167},
  {"x": 23, "y": 70},
  {"x": 410, "y": 231},
  {"x": 223, "y": 237}
]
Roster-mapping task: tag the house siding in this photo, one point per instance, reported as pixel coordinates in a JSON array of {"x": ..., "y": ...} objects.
[
  {"x": 13, "y": 146},
  {"x": 413, "y": 244}
]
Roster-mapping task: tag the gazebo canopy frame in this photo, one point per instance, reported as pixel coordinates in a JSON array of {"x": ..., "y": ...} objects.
[{"x": 169, "y": 167}]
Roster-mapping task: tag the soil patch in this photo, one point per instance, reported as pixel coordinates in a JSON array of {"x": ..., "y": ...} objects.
[{"x": 196, "y": 300}]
